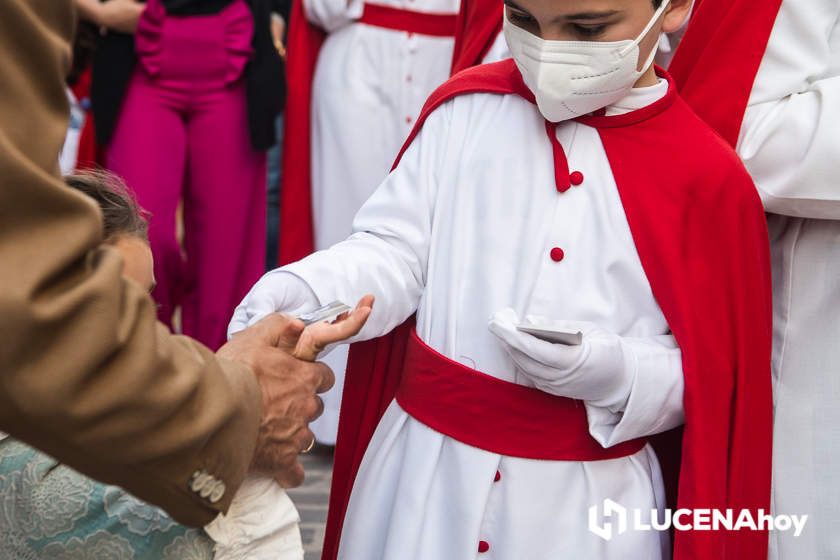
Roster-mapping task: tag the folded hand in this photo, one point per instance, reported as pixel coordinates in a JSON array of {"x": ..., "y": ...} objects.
[{"x": 598, "y": 371}]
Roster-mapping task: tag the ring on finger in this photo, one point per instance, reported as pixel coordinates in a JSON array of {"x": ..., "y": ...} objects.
[{"x": 309, "y": 447}]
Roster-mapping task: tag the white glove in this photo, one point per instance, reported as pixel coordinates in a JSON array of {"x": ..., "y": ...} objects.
[
  {"x": 261, "y": 524},
  {"x": 276, "y": 291},
  {"x": 600, "y": 371}
]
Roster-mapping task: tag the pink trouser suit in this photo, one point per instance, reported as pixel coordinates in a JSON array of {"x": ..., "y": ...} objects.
[{"x": 183, "y": 135}]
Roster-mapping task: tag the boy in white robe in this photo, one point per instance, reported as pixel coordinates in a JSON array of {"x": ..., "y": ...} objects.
[
  {"x": 510, "y": 204},
  {"x": 788, "y": 59}
]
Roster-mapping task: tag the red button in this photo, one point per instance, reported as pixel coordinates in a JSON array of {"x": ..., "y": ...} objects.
[
  {"x": 483, "y": 546},
  {"x": 498, "y": 477},
  {"x": 557, "y": 254},
  {"x": 576, "y": 178},
  {"x": 408, "y": 120}
]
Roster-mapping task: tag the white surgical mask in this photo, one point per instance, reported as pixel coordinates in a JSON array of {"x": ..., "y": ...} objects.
[{"x": 574, "y": 78}]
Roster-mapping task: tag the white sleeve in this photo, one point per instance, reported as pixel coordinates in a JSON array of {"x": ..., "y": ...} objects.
[
  {"x": 655, "y": 403},
  {"x": 331, "y": 15},
  {"x": 261, "y": 524},
  {"x": 388, "y": 253},
  {"x": 789, "y": 139}
]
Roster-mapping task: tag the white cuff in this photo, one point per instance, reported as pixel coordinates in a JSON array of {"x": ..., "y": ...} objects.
[
  {"x": 261, "y": 524},
  {"x": 315, "y": 272},
  {"x": 655, "y": 403}
]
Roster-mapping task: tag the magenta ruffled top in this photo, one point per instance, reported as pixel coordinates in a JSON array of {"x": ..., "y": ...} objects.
[{"x": 208, "y": 48}]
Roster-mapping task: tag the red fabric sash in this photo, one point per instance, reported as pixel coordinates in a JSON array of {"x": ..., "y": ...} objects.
[
  {"x": 421, "y": 23},
  {"x": 495, "y": 415}
]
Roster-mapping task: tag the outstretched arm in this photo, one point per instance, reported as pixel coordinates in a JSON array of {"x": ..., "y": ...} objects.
[
  {"x": 86, "y": 374},
  {"x": 386, "y": 257}
]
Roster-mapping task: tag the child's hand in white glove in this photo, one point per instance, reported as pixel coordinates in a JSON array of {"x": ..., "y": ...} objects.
[
  {"x": 276, "y": 292},
  {"x": 599, "y": 371}
]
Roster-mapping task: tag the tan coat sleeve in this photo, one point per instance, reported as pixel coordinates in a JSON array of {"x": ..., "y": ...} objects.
[{"x": 86, "y": 373}]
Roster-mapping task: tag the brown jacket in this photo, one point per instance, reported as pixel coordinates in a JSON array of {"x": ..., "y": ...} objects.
[{"x": 86, "y": 373}]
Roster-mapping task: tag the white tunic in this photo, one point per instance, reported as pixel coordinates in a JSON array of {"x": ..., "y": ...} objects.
[
  {"x": 369, "y": 86},
  {"x": 790, "y": 144},
  {"x": 461, "y": 229}
]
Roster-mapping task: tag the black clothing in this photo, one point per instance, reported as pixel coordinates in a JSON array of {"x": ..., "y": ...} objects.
[{"x": 195, "y": 7}]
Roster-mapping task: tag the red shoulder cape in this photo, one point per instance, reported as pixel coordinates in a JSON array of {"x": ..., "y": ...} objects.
[
  {"x": 479, "y": 23},
  {"x": 715, "y": 295},
  {"x": 718, "y": 58},
  {"x": 296, "y": 227}
]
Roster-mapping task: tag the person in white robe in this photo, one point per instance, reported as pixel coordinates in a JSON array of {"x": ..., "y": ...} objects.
[
  {"x": 790, "y": 144},
  {"x": 409, "y": 250},
  {"x": 369, "y": 86},
  {"x": 464, "y": 230}
]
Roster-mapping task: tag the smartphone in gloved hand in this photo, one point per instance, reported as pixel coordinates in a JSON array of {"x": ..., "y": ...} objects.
[{"x": 548, "y": 334}]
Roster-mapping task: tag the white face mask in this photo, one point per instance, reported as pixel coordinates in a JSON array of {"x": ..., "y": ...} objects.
[{"x": 574, "y": 78}]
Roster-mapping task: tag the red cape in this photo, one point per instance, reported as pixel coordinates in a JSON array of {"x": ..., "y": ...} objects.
[
  {"x": 715, "y": 295},
  {"x": 296, "y": 227},
  {"x": 89, "y": 156},
  {"x": 718, "y": 58},
  {"x": 479, "y": 23}
]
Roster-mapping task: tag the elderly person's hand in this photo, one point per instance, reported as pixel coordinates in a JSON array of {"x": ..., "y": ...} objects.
[
  {"x": 289, "y": 387},
  {"x": 282, "y": 351}
]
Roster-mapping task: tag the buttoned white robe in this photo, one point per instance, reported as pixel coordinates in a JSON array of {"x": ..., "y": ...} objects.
[
  {"x": 369, "y": 86},
  {"x": 465, "y": 227},
  {"x": 791, "y": 146}
]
